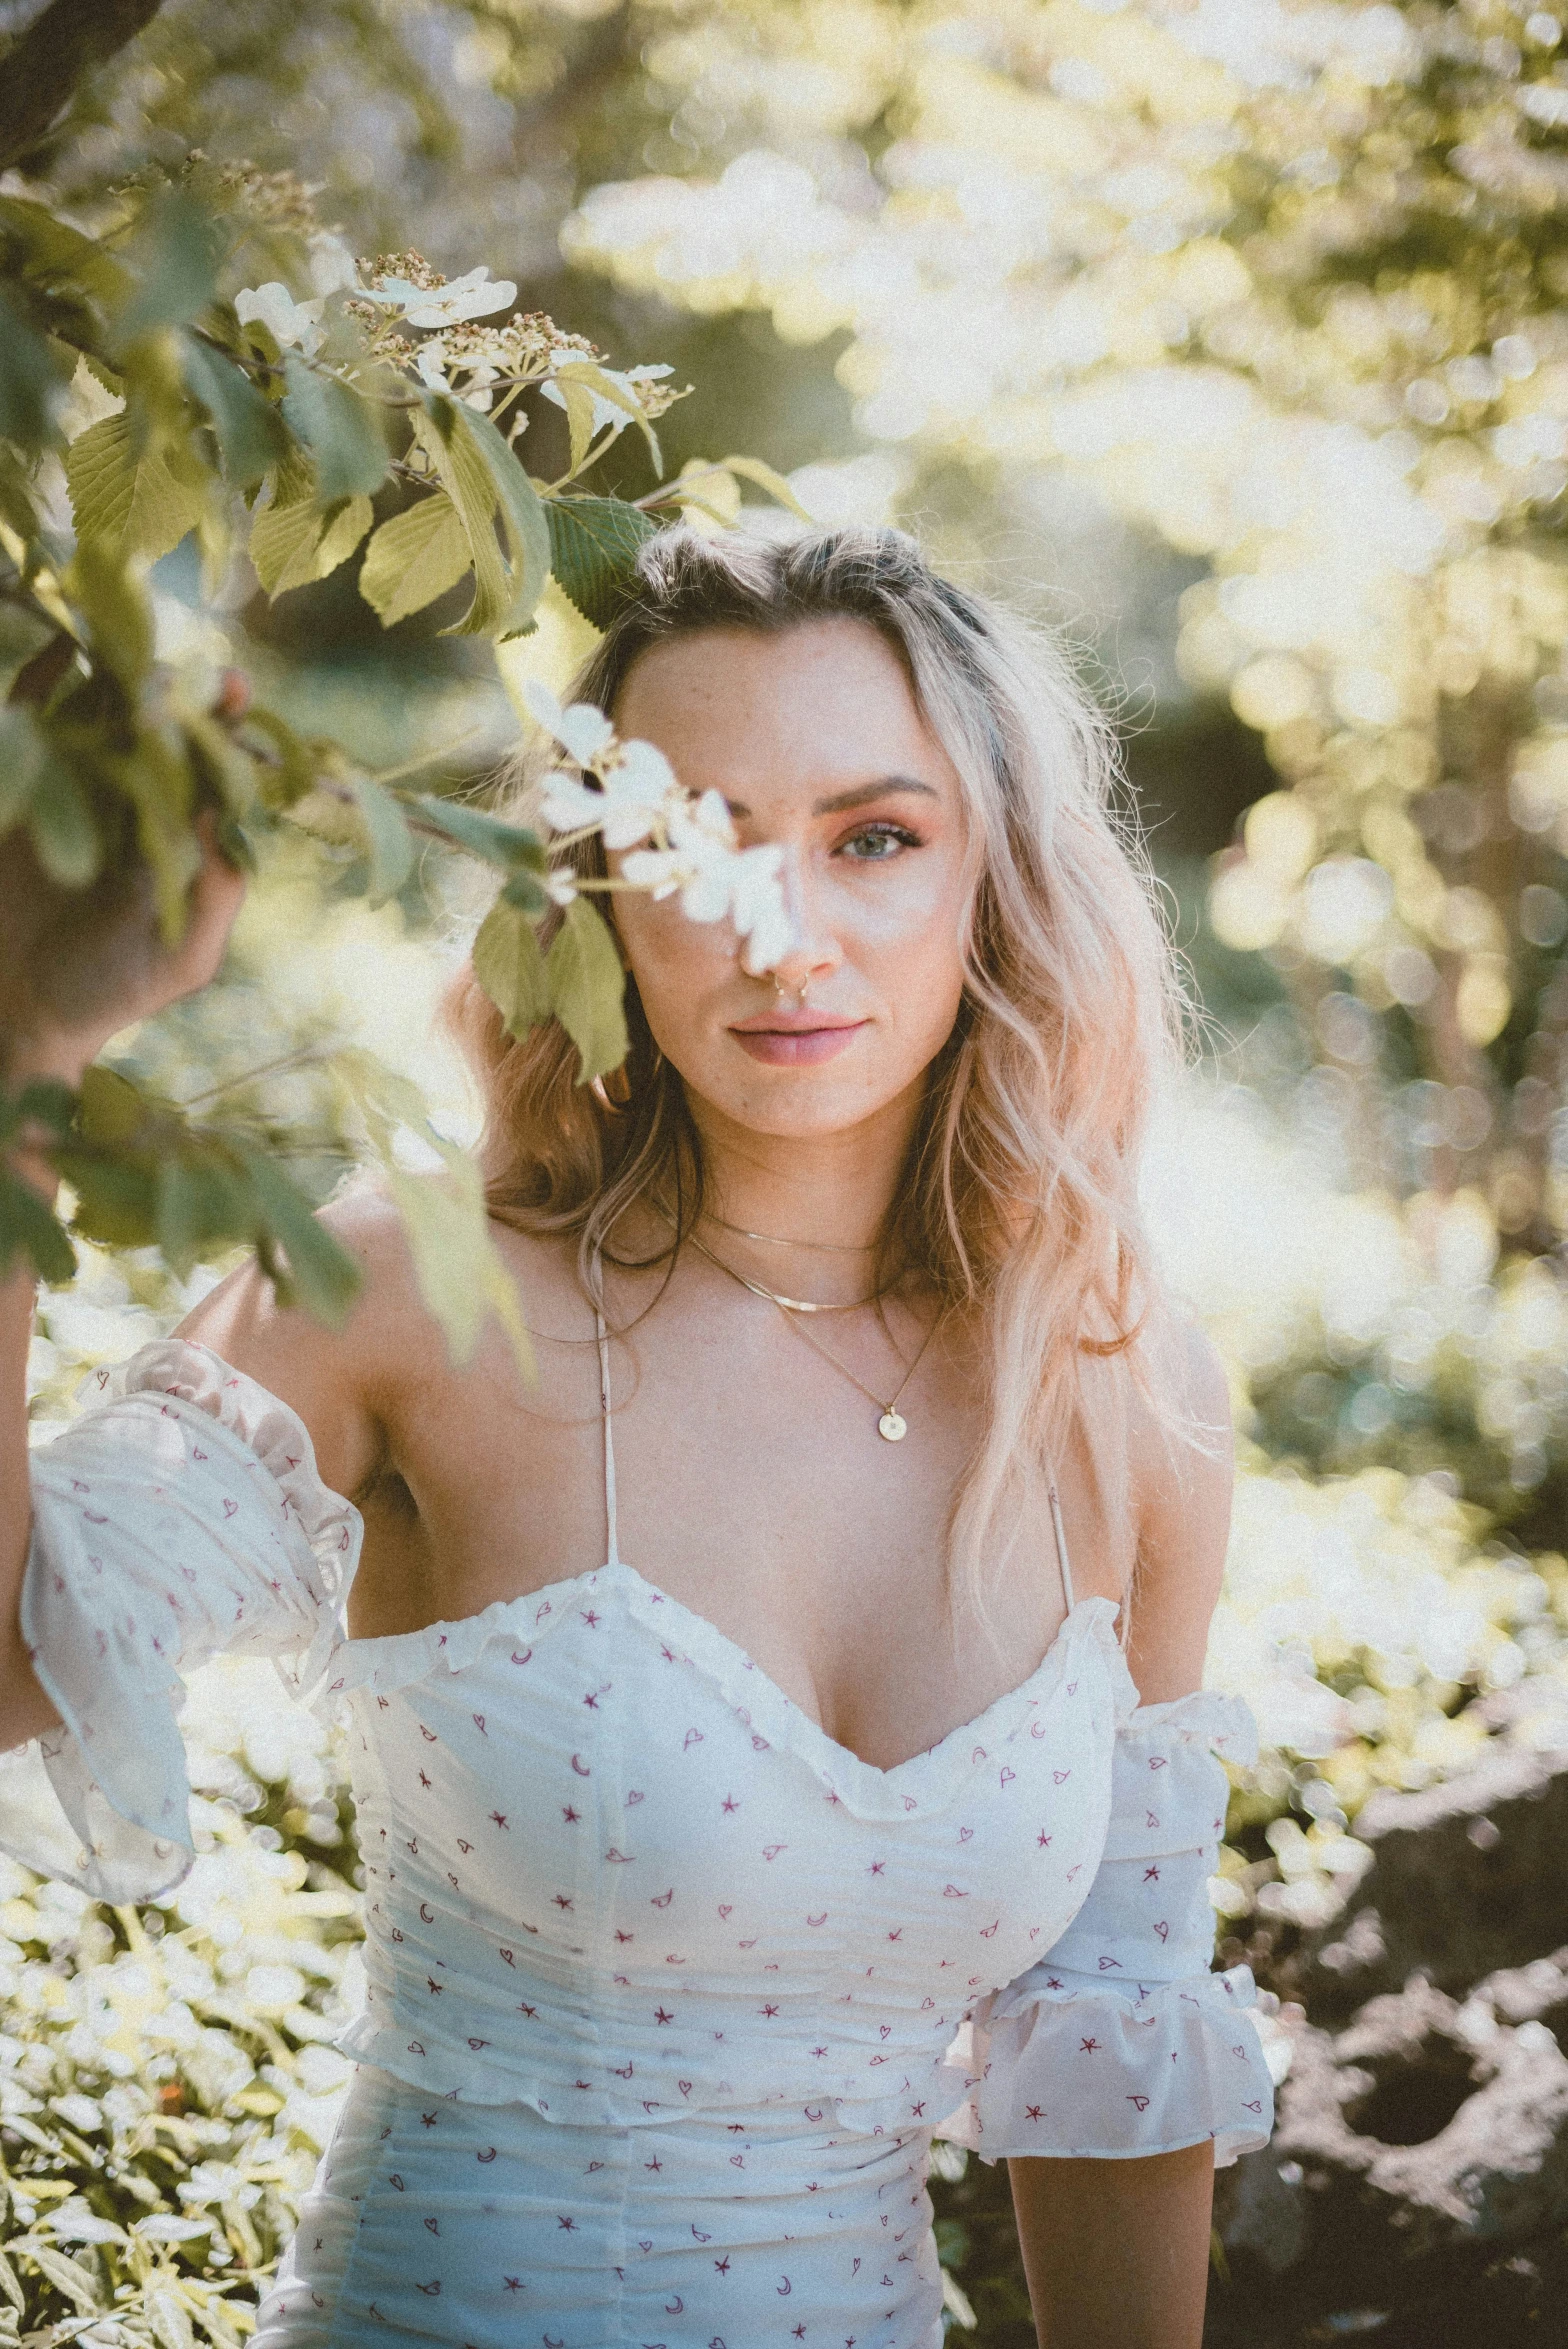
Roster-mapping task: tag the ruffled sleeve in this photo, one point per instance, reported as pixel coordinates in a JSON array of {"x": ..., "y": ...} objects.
[
  {"x": 180, "y": 1517},
  {"x": 1121, "y": 2041}
]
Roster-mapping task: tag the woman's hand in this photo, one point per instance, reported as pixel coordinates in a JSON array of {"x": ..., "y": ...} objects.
[{"x": 78, "y": 965}]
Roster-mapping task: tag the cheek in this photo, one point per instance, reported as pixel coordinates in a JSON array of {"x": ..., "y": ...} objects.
[{"x": 907, "y": 933}]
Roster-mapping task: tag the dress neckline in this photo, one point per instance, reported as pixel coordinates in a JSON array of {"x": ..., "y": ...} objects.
[{"x": 725, "y": 1662}]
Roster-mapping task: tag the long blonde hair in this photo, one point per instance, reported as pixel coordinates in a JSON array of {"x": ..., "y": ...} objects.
[{"x": 1019, "y": 1198}]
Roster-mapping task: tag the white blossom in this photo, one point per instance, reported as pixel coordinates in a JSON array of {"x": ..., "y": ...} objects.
[
  {"x": 294, "y": 325},
  {"x": 584, "y": 731},
  {"x": 477, "y": 295}
]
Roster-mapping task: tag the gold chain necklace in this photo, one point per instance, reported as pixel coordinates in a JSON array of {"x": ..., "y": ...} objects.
[
  {"x": 892, "y": 1425},
  {"x": 830, "y": 1247}
]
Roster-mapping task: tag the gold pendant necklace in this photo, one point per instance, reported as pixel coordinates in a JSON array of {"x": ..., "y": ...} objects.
[{"x": 892, "y": 1426}]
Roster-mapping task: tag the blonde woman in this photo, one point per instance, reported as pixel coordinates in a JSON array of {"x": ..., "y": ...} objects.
[{"x": 776, "y": 1733}]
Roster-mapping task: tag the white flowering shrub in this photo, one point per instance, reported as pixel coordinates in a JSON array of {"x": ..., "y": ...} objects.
[{"x": 167, "y": 2080}]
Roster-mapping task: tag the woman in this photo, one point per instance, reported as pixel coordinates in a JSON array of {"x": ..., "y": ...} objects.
[{"x": 702, "y": 1888}]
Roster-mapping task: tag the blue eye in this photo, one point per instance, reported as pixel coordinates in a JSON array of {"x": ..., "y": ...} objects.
[{"x": 876, "y": 844}]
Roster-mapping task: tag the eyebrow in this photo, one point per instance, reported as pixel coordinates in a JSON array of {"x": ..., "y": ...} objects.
[{"x": 859, "y": 795}]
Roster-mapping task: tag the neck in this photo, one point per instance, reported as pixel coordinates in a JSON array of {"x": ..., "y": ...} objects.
[{"x": 837, "y": 1188}]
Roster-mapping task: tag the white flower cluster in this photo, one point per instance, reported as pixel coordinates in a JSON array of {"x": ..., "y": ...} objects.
[
  {"x": 695, "y": 849},
  {"x": 455, "y": 355}
]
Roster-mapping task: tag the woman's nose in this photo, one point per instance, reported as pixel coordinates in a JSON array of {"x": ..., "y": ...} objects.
[{"x": 814, "y": 951}]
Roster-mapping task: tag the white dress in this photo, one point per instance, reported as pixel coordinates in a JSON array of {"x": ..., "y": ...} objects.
[{"x": 668, "y": 1990}]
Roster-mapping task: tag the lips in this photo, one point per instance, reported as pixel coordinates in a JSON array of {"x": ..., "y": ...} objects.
[{"x": 795, "y": 1040}]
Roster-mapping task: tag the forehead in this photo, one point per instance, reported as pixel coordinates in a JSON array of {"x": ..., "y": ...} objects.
[{"x": 821, "y": 699}]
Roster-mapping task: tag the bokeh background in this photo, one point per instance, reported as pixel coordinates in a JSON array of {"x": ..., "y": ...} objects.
[{"x": 1226, "y": 335}]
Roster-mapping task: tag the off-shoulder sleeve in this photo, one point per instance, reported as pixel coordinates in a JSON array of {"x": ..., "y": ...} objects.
[
  {"x": 180, "y": 1517},
  {"x": 1121, "y": 2041}
]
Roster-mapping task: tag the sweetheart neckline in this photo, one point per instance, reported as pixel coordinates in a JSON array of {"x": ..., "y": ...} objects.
[{"x": 1092, "y": 1611}]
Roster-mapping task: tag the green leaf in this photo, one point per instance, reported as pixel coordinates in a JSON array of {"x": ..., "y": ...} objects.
[
  {"x": 22, "y": 761},
  {"x": 342, "y": 432},
  {"x": 578, "y": 402},
  {"x": 461, "y": 1275},
  {"x": 203, "y": 1203},
  {"x": 587, "y": 987},
  {"x": 468, "y": 483},
  {"x": 320, "y": 1274},
  {"x": 112, "y": 1110},
  {"x": 177, "y": 246},
  {"x": 522, "y": 519},
  {"x": 249, "y": 429},
  {"x": 125, "y": 498},
  {"x": 61, "y": 828},
  {"x": 295, "y": 544},
  {"x": 511, "y": 969},
  {"x": 414, "y": 558},
  {"x": 116, "y": 609},
  {"x": 484, "y": 835},
  {"x": 32, "y": 382},
  {"x": 28, "y": 1229},
  {"x": 55, "y": 257},
  {"x": 753, "y": 469},
  {"x": 593, "y": 551},
  {"x": 391, "y": 844},
  {"x": 583, "y": 371}
]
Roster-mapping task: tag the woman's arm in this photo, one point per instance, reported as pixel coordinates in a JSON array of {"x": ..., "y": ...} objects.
[
  {"x": 1117, "y": 2251},
  {"x": 68, "y": 982}
]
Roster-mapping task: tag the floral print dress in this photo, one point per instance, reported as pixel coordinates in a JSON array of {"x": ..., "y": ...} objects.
[{"x": 668, "y": 1991}]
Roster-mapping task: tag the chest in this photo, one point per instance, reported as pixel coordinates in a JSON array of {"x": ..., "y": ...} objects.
[{"x": 605, "y": 1778}]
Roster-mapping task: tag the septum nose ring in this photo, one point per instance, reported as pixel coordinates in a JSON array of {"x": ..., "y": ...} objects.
[{"x": 799, "y": 993}]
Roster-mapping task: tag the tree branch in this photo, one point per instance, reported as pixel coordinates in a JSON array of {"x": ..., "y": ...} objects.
[{"x": 41, "y": 73}]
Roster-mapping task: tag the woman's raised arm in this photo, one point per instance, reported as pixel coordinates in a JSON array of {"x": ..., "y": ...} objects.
[{"x": 197, "y": 1508}]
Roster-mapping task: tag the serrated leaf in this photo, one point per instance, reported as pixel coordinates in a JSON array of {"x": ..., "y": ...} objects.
[
  {"x": 321, "y": 1276},
  {"x": 32, "y": 383},
  {"x": 112, "y": 1109},
  {"x": 753, "y": 469},
  {"x": 466, "y": 479},
  {"x": 295, "y": 544},
  {"x": 124, "y": 499},
  {"x": 203, "y": 1203},
  {"x": 484, "y": 835},
  {"x": 116, "y": 609},
  {"x": 176, "y": 250},
  {"x": 414, "y": 558},
  {"x": 22, "y": 760},
  {"x": 593, "y": 551},
  {"x": 30, "y": 1231},
  {"x": 461, "y": 1275},
  {"x": 10, "y": 2282},
  {"x": 587, "y": 989},
  {"x": 249, "y": 429},
  {"x": 596, "y": 379},
  {"x": 510, "y": 967},
  {"x": 342, "y": 432},
  {"x": 390, "y": 843},
  {"x": 578, "y": 402},
  {"x": 61, "y": 828}
]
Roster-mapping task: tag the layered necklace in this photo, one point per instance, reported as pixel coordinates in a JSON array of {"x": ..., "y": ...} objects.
[{"x": 892, "y": 1426}]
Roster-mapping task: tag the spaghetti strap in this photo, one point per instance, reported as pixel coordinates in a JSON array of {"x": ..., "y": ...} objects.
[
  {"x": 1061, "y": 1551},
  {"x": 613, "y": 1553}
]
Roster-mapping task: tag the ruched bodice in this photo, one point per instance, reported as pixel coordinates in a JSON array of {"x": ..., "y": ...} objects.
[
  {"x": 623, "y": 1893},
  {"x": 614, "y": 1870}
]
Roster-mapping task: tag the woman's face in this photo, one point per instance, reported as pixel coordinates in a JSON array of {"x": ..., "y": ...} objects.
[{"x": 814, "y": 738}]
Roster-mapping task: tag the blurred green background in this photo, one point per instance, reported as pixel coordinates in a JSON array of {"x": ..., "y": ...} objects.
[{"x": 1226, "y": 337}]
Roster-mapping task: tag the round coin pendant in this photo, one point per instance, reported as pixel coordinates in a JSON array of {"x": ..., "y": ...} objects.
[{"x": 892, "y": 1427}]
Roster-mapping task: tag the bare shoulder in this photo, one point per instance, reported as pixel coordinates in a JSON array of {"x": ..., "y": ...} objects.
[
  {"x": 338, "y": 1380},
  {"x": 1182, "y": 1467}
]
